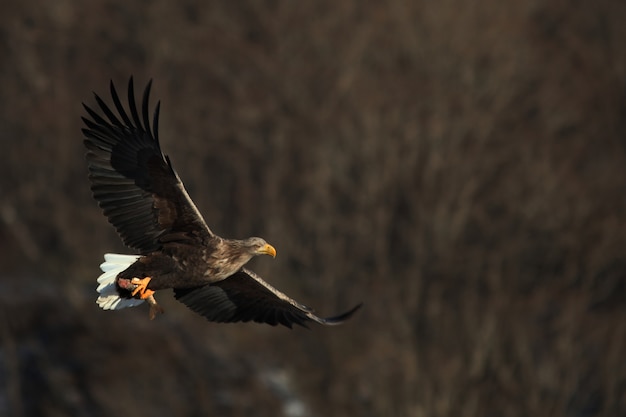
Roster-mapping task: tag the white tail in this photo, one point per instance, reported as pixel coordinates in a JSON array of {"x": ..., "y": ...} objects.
[{"x": 113, "y": 264}]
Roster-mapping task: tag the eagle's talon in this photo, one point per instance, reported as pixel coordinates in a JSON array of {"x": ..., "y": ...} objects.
[{"x": 142, "y": 287}]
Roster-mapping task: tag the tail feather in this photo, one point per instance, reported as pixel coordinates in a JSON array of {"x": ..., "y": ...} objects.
[{"x": 109, "y": 298}]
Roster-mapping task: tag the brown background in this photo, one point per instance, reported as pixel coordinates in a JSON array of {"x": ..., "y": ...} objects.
[{"x": 458, "y": 166}]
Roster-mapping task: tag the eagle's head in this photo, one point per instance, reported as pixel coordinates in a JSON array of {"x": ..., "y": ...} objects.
[{"x": 258, "y": 246}]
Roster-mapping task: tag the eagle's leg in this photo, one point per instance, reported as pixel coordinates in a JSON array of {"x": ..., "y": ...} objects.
[{"x": 141, "y": 287}]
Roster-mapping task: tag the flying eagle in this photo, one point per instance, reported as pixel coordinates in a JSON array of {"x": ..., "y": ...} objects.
[{"x": 144, "y": 199}]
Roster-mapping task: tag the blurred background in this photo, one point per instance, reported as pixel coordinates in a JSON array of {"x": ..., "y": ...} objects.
[{"x": 458, "y": 166}]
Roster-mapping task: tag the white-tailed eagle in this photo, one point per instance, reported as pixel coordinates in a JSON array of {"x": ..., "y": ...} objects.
[{"x": 145, "y": 200}]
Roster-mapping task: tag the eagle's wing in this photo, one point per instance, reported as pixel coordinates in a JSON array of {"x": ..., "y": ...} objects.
[
  {"x": 244, "y": 296},
  {"x": 133, "y": 181}
]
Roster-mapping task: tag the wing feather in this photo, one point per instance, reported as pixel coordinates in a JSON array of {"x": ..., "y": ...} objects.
[
  {"x": 244, "y": 296},
  {"x": 133, "y": 180}
]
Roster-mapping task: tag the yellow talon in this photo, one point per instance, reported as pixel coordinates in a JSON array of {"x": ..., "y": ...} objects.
[{"x": 142, "y": 287}]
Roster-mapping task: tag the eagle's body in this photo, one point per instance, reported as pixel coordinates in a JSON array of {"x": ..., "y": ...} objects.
[
  {"x": 178, "y": 265},
  {"x": 145, "y": 200}
]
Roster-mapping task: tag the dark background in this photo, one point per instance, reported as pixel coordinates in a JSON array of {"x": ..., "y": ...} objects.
[{"x": 458, "y": 166}]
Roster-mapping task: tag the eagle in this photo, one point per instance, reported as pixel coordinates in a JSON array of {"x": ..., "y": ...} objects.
[{"x": 142, "y": 196}]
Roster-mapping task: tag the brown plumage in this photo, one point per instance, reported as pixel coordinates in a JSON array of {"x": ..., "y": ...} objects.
[{"x": 145, "y": 200}]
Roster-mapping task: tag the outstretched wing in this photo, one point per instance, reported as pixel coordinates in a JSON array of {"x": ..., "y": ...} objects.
[
  {"x": 133, "y": 181},
  {"x": 244, "y": 296}
]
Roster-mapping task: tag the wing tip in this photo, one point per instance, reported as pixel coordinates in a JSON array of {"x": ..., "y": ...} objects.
[{"x": 338, "y": 319}]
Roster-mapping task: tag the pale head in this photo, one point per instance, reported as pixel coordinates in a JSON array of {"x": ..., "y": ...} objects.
[{"x": 258, "y": 246}]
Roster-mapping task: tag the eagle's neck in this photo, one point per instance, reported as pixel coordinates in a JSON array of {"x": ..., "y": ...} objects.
[{"x": 226, "y": 258}]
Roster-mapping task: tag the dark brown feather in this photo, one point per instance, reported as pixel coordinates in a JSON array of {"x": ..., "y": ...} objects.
[
  {"x": 244, "y": 296},
  {"x": 133, "y": 181}
]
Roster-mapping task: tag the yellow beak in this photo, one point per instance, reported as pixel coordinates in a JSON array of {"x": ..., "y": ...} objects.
[{"x": 268, "y": 250}]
